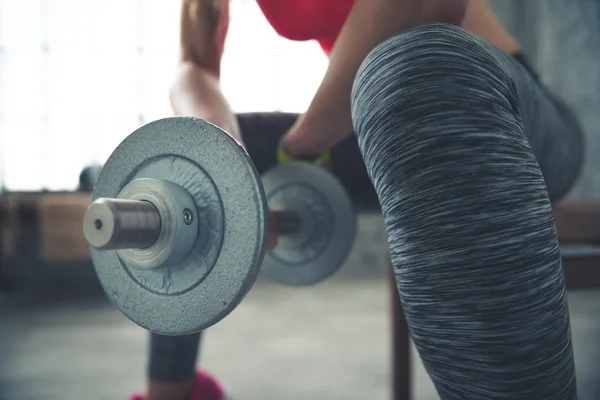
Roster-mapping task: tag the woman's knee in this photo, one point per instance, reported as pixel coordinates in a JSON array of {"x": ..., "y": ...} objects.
[{"x": 428, "y": 66}]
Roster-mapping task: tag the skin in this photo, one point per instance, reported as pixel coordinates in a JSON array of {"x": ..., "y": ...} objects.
[{"x": 327, "y": 121}]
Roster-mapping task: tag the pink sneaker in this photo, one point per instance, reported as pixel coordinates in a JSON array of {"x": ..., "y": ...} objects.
[{"x": 206, "y": 388}]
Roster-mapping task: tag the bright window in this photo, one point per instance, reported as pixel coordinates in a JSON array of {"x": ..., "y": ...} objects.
[{"x": 76, "y": 77}]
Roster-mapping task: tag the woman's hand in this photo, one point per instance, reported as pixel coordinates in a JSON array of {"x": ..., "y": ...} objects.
[
  {"x": 294, "y": 146},
  {"x": 196, "y": 92}
]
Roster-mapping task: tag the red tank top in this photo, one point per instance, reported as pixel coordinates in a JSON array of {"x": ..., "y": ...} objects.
[{"x": 319, "y": 20}]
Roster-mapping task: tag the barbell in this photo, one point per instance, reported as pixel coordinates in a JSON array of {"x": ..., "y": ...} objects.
[{"x": 177, "y": 225}]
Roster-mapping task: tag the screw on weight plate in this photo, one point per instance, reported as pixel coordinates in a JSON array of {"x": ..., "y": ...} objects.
[{"x": 188, "y": 216}]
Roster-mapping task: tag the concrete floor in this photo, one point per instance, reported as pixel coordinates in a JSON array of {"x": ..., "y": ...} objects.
[{"x": 329, "y": 342}]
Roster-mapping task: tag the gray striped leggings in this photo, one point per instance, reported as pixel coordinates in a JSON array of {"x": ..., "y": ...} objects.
[{"x": 466, "y": 150}]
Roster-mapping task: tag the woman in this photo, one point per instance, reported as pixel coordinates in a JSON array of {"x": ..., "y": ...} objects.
[{"x": 456, "y": 131}]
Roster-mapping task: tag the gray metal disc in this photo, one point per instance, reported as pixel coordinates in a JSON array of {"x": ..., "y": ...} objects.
[
  {"x": 328, "y": 229},
  {"x": 231, "y": 208}
]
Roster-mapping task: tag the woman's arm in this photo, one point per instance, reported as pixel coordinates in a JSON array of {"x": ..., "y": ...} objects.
[
  {"x": 481, "y": 20},
  {"x": 327, "y": 120},
  {"x": 195, "y": 90}
]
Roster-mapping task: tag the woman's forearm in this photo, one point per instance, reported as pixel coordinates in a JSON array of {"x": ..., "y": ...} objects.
[
  {"x": 196, "y": 93},
  {"x": 328, "y": 119},
  {"x": 481, "y": 20}
]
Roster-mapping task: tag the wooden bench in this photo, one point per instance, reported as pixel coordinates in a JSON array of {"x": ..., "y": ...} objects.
[
  {"x": 578, "y": 227},
  {"x": 42, "y": 243}
]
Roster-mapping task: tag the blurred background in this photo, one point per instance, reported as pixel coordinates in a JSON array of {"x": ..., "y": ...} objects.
[{"x": 77, "y": 76}]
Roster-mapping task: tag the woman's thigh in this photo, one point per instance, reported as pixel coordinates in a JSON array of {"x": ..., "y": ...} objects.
[{"x": 447, "y": 131}]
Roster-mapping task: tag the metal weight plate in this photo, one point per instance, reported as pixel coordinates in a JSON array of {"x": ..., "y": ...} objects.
[
  {"x": 231, "y": 209},
  {"x": 328, "y": 224}
]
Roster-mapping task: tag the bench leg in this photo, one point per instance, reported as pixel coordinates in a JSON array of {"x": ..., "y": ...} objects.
[{"x": 401, "y": 360}]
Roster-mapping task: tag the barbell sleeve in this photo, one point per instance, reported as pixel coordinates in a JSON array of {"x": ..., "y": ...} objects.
[{"x": 113, "y": 224}]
